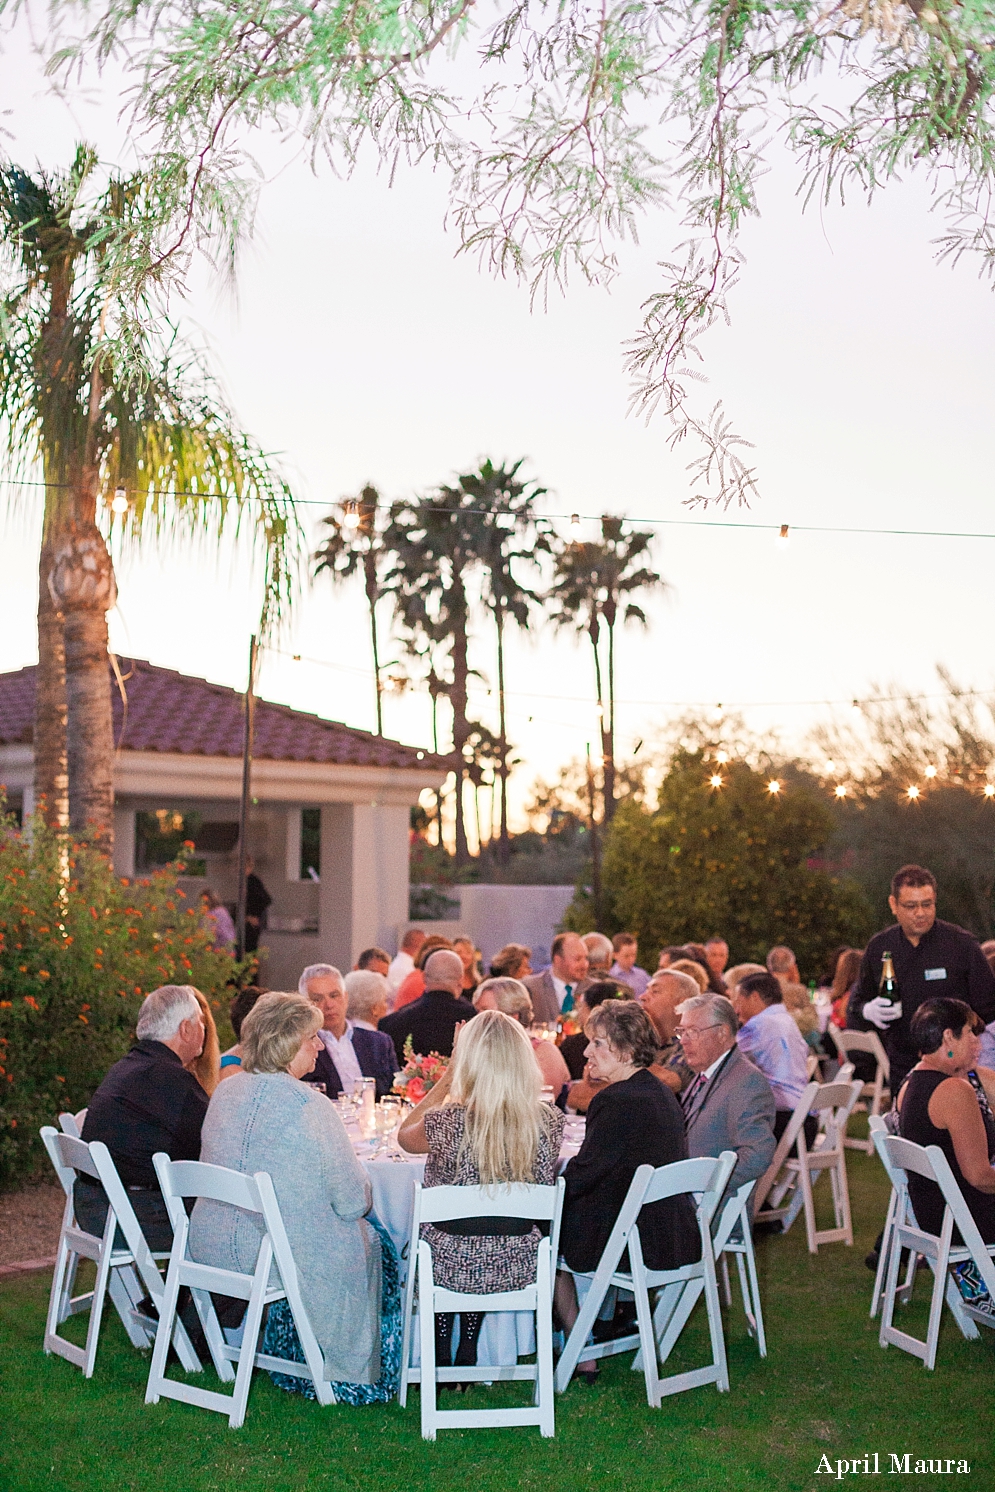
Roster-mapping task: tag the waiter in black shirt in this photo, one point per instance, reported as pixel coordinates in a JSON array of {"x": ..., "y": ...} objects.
[
  {"x": 930, "y": 958},
  {"x": 148, "y": 1102}
]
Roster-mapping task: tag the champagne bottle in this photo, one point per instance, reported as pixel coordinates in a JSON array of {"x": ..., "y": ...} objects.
[{"x": 888, "y": 984}]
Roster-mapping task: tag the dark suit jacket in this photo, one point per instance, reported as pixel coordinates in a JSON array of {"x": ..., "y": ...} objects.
[
  {"x": 543, "y": 992},
  {"x": 629, "y": 1124},
  {"x": 736, "y": 1113},
  {"x": 375, "y": 1054},
  {"x": 430, "y": 1022}
]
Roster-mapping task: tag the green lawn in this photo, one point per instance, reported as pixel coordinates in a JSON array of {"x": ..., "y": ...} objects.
[{"x": 826, "y": 1388}]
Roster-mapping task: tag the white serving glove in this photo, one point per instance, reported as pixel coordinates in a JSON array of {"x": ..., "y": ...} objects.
[{"x": 881, "y": 1012}]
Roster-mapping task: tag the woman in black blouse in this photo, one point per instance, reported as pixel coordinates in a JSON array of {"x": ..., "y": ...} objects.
[
  {"x": 633, "y": 1121},
  {"x": 944, "y": 1103}
]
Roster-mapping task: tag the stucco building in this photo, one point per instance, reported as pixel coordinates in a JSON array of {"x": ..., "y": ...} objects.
[{"x": 329, "y": 820}]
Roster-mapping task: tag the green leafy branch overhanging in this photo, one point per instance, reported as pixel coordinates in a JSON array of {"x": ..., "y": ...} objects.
[{"x": 574, "y": 122}]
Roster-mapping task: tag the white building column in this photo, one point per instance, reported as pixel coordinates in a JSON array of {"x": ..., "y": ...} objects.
[
  {"x": 124, "y": 842},
  {"x": 363, "y": 895}
]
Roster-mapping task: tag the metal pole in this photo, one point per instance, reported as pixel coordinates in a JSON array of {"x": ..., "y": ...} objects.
[{"x": 243, "y": 807}]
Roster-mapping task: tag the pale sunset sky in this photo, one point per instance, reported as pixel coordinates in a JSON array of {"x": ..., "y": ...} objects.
[{"x": 362, "y": 348}]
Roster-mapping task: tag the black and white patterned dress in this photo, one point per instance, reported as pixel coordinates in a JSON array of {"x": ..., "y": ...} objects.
[{"x": 482, "y": 1263}]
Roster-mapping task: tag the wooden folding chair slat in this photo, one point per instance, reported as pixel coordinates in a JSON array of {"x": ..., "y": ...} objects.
[
  {"x": 184, "y": 1179},
  {"x": 903, "y": 1156},
  {"x": 679, "y": 1289},
  {"x": 447, "y": 1204},
  {"x": 125, "y": 1274},
  {"x": 788, "y": 1179},
  {"x": 868, "y": 1042}
]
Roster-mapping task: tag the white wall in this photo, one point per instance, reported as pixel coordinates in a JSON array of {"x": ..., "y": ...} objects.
[{"x": 495, "y": 915}]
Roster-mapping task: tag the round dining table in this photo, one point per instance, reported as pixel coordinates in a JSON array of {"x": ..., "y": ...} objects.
[{"x": 505, "y": 1336}]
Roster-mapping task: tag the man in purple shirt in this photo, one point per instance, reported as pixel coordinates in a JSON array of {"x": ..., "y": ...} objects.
[
  {"x": 770, "y": 1038},
  {"x": 624, "y": 968}
]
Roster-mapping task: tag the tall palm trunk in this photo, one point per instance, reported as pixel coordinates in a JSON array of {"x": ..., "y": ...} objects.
[
  {"x": 594, "y": 632},
  {"x": 83, "y": 587},
  {"x": 51, "y": 772},
  {"x": 372, "y": 596},
  {"x": 608, "y": 728},
  {"x": 82, "y": 582},
  {"x": 461, "y": 726},
  {"x": 504, "y": 846}
]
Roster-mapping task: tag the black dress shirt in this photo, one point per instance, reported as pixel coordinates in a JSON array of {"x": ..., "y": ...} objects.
[
  {"x": 947, "y": 962},
  {"x": 430, "y": 1022},
  {"x": 147, "y": 1102}
]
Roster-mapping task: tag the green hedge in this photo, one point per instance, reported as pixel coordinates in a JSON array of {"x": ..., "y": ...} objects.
[
  {"x": 736, "y": 860},
  {"x": 79, "y": 951}
]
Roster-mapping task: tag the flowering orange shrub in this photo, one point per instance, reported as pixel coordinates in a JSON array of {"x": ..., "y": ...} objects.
[{"x": 79, "y": 951}]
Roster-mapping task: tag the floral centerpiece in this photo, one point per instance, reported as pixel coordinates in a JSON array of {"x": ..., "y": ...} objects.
[{"x": 419, "y": 1074}]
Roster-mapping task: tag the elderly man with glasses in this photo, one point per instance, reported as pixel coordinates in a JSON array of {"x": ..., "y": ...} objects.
[
  {"x": 930, "y": 958},
  {"x": 729, "y": 1104}
]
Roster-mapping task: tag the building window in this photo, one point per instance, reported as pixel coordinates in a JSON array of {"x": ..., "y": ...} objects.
[{"x": 310, "y": 844}]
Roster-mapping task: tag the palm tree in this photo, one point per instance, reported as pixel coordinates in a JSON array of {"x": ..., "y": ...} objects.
[
  {"x": 354, "y": 543},
  {"x": 591, "y": 590},
  {"x": 506, "y": 531},
  {"x": 96, "y": 405},
  {"x": 431, "y": 544}
]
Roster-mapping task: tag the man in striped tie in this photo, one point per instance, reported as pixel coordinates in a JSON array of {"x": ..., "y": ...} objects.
[{"x": 729, "y": 1104}]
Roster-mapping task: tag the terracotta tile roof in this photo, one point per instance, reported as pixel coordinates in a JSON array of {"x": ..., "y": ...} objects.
[{"x": 169, "y": 711}]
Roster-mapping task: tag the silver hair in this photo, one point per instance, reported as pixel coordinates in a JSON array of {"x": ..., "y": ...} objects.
[
  {"x": 365, "y": 989},
  {"x": 317, "y": 971},
  {"x": 510, "y": 996},
  {"x": 780, "y": 960},
  {"x": 687, "y": 986},
  {"x": 164, "y": 1010},
  {"x": 594, "y": 940},
  {"x": 715, "y": 1005}
]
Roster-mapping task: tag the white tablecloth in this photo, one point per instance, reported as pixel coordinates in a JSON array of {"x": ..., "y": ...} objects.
[{"x": 504, "y": 1335}]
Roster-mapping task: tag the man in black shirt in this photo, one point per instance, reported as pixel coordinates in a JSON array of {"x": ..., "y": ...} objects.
[
  {"x": 257, "y": 899},
  {"x": 930, "y": 958},
  {"x": 431, "y": 1021},
  {"x": 148, "y": 1102}
]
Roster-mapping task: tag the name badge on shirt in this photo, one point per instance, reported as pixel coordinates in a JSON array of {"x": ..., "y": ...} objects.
[{"x": 934, "y": 973}]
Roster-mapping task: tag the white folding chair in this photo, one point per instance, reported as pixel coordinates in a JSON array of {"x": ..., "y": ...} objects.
[
  {"x": 72, "y": 1124},
  {"x": 878, "y": 1132},
  {"x": 734, "y": 1235},
  {"x": 903, "y": 1293},
  {"x": 930, "y": 1162},
  {"x": 679, "y": 1289},
  {"x": 439, "y": 1204},
  {"x": 848, "y": 1042},
  {"x": 255, "y": 1194},
  {"x": 789, "y": 1179},
  {"x": 126, "y": 1274}
]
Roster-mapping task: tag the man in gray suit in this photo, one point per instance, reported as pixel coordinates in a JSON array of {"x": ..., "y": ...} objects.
[
  {"x": 555, "y": 990},
  {"x": 729, "y": 1105}
]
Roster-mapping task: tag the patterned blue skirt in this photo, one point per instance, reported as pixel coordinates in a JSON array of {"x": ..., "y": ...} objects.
[{"x": 281, "y": 1340}]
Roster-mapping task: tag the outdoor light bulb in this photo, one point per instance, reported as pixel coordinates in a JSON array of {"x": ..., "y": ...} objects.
[
  {"x": 856, "y": 706},
  {"x": 774, "y": 786},
  {"x": 715, "y": 781},
  {"x": 840, "y": 790},
  {"x": 120, "y": 503},
  {"x": 990, "y": 789},
  {"x": 782, "y": 539},
  {"x": 574, "y": 524},
  {"x": 930, "y": 771},
  {"x": 722, "y": 757},
  {"x": 830, "y": 766},
  {"x": 350, "y": 514},
  {"x": 913, "y": 792}
]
